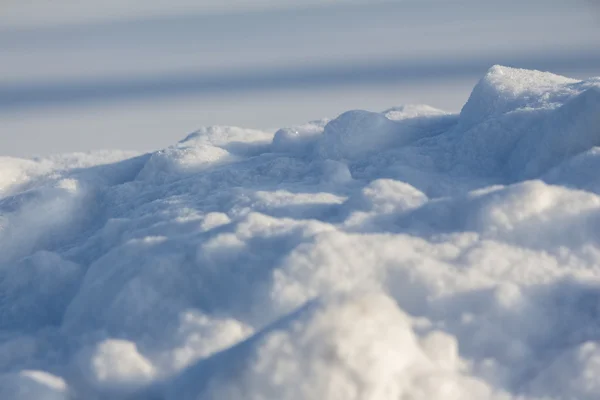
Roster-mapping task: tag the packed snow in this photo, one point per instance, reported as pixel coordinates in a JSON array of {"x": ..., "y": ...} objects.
[{"x": 410, "y": 254}]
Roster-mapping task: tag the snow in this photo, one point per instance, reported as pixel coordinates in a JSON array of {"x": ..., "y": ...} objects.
[
  {"x": 407, "y": 254},
  {"x": 355, "y": 134},
  {"x": 31, "y": 385}
]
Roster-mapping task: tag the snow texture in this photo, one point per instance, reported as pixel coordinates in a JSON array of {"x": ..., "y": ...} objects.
[{"x": 409, "y": 254}]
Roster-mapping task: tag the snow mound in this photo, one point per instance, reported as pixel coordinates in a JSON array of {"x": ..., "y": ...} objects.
[
  {"x": 202, "y": 149},
  {"x": 235, "y": 140},
  {"x": 404, "y": 254},
  {"x": 322, "y": 352},
  {"x": 114, "y": 365},
  {"x": 358, "y": 133},
  {"x": 520, "y": 123},
  {"x": 300, "y": 139},
  {"x": 506, "y": 89}
]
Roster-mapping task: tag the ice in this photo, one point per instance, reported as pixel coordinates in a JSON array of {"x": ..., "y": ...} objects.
[{"x": 404, "y": 254}]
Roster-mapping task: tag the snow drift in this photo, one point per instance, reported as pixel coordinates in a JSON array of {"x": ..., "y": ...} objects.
[{"x": 410, "y": 254}]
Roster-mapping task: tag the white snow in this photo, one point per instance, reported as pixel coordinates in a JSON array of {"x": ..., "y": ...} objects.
[{"x": 410, "y": 254}]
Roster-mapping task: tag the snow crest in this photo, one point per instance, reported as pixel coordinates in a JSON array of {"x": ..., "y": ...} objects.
[{"x": 408, "y": 254}]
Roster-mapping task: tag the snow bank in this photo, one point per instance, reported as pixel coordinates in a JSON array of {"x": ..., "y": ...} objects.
[{"x": 406, "y": 254}]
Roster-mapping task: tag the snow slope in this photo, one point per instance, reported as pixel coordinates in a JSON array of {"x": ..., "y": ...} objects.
[{"x": 410, "y": 254}]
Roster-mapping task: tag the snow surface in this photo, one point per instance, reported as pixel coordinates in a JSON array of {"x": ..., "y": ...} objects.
[{"x": 411, "y": 254}]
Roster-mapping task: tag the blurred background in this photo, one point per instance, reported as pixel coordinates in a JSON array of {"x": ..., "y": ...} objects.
[{"x": 78, "y": 75}]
